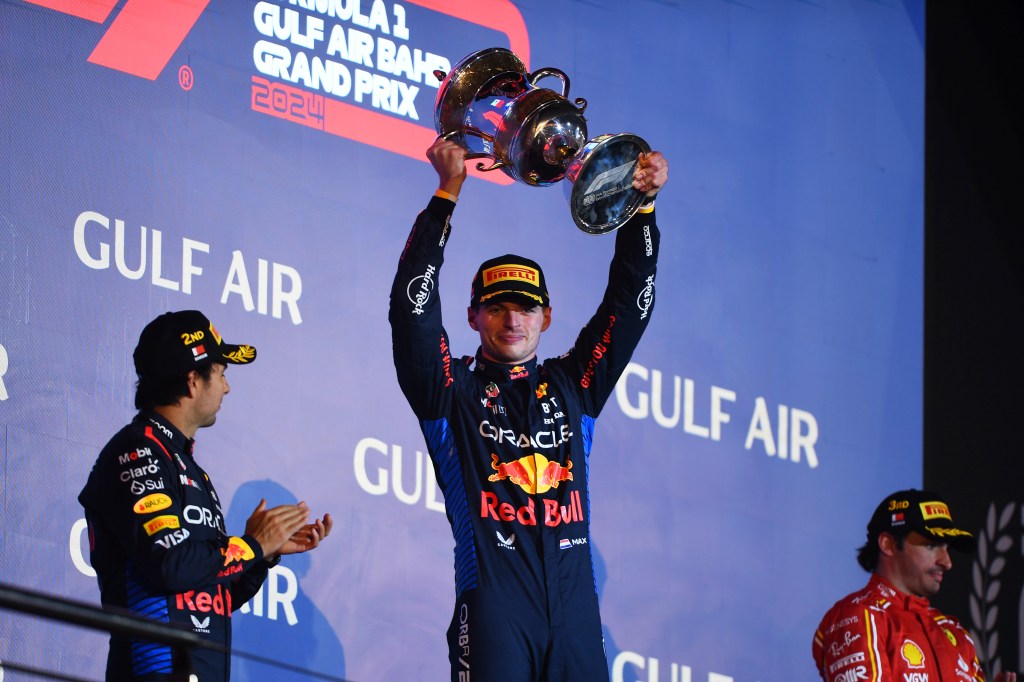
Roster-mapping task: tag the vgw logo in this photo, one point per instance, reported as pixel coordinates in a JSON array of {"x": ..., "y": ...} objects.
[{"x": 143, "y": 36}]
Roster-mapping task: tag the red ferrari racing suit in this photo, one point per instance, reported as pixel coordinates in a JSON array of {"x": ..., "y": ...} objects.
[
  {"x": 510, "y": 446},
  {"x": 157, "y": 540},
  {"x": 880, "y": 634}
]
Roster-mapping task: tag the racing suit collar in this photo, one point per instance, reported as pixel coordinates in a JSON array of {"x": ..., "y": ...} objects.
[
  {"x": 165, "y": 431},
  {"x": 908, "y": 602},
  {"x": 502, "y": 373}
]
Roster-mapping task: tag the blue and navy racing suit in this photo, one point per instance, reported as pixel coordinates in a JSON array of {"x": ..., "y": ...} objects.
[
  {"x": 510, "y": 446},
  {"x": 157, "y": 540}
]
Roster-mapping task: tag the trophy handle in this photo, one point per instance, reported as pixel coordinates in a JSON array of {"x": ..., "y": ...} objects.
[
  {"x": 494, "y": 166},
  {"x": 551, "y": 71},
  {"x": 580, "y": 103},
  {"x": 451, "y": 134}
]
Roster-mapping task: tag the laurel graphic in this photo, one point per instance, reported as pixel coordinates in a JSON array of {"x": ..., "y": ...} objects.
[
  {"x": 986, "y": 584},
  {"x": 243, "y": 355}
]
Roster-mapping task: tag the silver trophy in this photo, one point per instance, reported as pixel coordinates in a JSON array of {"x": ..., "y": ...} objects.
[{"x": 493, "y": 107}]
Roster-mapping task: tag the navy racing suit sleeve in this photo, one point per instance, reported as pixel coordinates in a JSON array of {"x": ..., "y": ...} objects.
[
  {"x": 150, "y": 506},
  {"x": 419, "y": 342},
  {"x": 246, "y": 587},
  {"x": 605, "y": 345}
]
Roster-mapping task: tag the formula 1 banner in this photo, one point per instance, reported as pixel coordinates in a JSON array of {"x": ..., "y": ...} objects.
[{"x": 264, "y": 161}]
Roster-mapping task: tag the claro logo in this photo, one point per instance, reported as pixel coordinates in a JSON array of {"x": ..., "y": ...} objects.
[{"x": 143, "y": 36}]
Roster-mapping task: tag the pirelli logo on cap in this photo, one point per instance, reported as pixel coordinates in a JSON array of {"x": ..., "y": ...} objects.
[
  {"x": 935, "y": 510},
  {"x": 511, "y": 273}
]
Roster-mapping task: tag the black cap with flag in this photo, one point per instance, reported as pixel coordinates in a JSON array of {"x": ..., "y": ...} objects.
[
  {"x": 178, "y": 342},
  {"x": 923, "y": 512}
]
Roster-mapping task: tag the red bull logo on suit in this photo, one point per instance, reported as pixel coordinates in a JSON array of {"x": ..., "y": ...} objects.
[
  {"x": 534, "y": 473},
  {"x": 554, "y": 514}
]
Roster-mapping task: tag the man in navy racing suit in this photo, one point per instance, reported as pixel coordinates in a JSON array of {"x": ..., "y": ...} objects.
[
  {"x": 156, "y": 529},
  {"x": 510, "y": 437}
]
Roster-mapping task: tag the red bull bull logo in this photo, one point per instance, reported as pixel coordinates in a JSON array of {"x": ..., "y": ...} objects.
[
  {"x": 534, "y": 473},
  {"x": 237, "y": 550}
]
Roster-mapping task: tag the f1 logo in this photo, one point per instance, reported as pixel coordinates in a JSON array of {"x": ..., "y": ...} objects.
[
  {"x": 610, "y": 177},
  {"x": 143, "y": 36}
]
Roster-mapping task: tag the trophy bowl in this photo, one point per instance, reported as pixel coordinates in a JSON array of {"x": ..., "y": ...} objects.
[
  {"x": 601, "y": 194},
  {"x": 538, "y": 136},
  {"x": 491, "y": 106},
  {"x": 467, "y": 79}
]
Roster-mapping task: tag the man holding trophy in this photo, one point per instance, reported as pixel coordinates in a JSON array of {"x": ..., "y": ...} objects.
[{"x": 510, "y": 437}]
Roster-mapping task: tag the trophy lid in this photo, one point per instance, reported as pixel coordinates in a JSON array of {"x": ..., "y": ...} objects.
[{"x": 602, "y": 197}]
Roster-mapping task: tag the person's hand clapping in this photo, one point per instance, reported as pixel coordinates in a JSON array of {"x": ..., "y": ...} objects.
[
  {"x": 308, "y": 537},
  {"x": 272, "y": 528}
]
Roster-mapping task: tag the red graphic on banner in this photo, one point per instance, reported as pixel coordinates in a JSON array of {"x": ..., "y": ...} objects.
[
  {"x": 92, "y": 10},
  {"x": 143, "y": 36},
  {"x": 288, "y": 102}
]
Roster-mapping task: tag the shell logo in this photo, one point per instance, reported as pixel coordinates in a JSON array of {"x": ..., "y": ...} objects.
[{"x": 912, "y": 654}]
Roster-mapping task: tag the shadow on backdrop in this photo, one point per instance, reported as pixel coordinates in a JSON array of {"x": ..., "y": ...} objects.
[{"x": 281, "y": 622}]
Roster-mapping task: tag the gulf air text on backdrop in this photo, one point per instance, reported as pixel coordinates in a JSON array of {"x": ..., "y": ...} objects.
[
  {"x": 381, "y": 468},
  {"x": 264, "y": 286},
  {"x": 790, "y": 434},
  {"x": 630, "y": 666}
]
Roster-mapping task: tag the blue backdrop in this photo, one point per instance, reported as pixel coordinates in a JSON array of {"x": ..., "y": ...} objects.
[{"x": 263, "y": 162}]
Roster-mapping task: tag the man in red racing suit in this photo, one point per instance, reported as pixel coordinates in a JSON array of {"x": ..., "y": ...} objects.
[
  {"x": 888, "y": 630},
  {"x": 880, "y": 633},
  {"x": 510, "y": 438}
]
